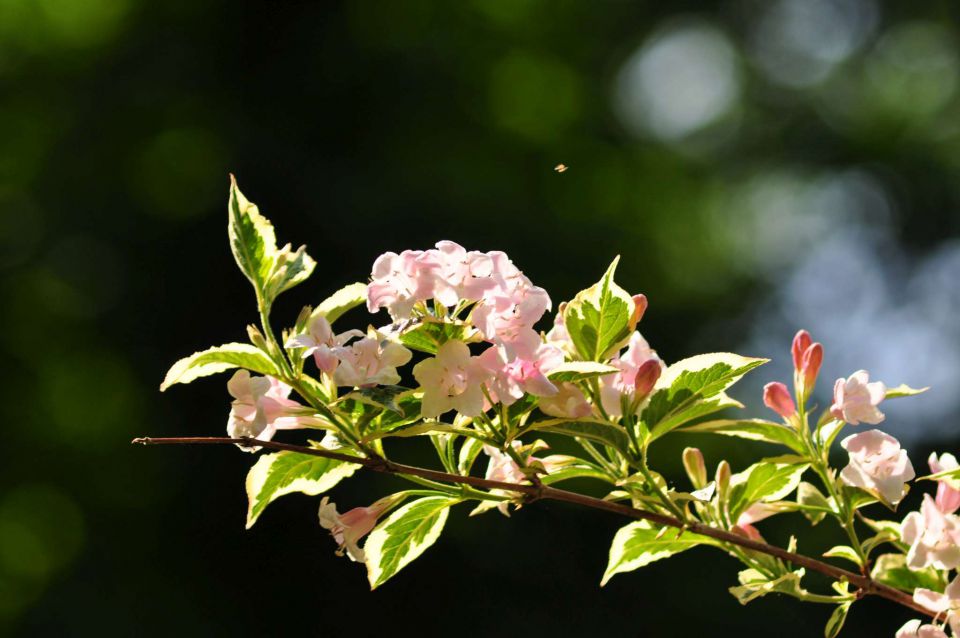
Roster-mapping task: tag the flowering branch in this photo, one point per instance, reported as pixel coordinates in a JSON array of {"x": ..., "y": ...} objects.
[
  {"x": 485, "y": 378},
  {"x": 864, "y": 584}
]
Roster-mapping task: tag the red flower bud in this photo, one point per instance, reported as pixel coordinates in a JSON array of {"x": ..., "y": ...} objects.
[
  {"x": 801, "y": 342},
  {"x": 647, "y": 375},
  {"x": 777, "y": 398},
  {"x": 810, "y": 365}
]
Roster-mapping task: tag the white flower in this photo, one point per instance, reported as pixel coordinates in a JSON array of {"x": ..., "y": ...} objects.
[{"x": 877, "y": 465}]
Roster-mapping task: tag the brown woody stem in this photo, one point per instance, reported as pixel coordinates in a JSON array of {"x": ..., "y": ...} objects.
[{"x": 864, "y": 583}]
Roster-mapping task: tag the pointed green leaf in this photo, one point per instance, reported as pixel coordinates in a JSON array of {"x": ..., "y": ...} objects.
[
  {"x": 692, "y": 388},
  {"x": 836, "y": 620},
  {"x": 754, "y": 584},
  {"x": 579, "y": 370},
  {"x": 641, "y": 543},
  {"x": 904, "y": 391},
  {"x": 753, "y": 430},
  {"x": 428, "y": 335},
  {"x": 812, "y": 502},
  {"x": 252, "y": 239},
  {"x": 892, "y": 570},
  {"x": 598, "y": 318},
  {"x": 274, "y": 475},
  {"x": 595, "y": 430},
  {"x": 769, "y": 480},
  {"x": 404, "y": 535},
  {"x": 845, "y": 552},
  {"x": 345, "y": 299},
  {"x": 289, "y": 269},
  {"x": 218, "y": 359}
]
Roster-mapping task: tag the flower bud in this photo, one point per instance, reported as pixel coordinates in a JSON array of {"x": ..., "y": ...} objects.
[
  {"x": 722, "y": 479},
  {"x": 639, "y": 307},
  {"x": 801, "y": 342},
  {"x": 810, "y": 366},
  {"x": 695, "y": 467},
  {"x": 777, "y": 398},
  {"x": 647, "y": 375}
]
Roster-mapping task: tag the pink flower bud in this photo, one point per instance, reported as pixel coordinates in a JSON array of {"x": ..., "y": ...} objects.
[
  {"x": 647, "y": 375},
  {"x": 810, "y": 365},
  {"x": 639, "y": 307},
  {"x": 801, "y": 342},
  {"x": 777, "y": 398}
]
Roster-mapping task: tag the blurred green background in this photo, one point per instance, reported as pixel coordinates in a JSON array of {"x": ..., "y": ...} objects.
[{"x": 760, "y": 165}]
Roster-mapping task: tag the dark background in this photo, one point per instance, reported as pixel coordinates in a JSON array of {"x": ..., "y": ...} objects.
[{"x": 760, "y": 166}]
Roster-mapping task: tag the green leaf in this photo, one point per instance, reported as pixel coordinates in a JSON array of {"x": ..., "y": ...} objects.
[
  {"x": 598, "y": 318},
  {"x": 641, "y": 543},
  {"x": 684, "y": 388},
  {"x": 595, "y": 430},
  {"x": 347, "y": 298},
  {"x": 274, "y": 475},
  {"x": 845, "y": 552},
  {"x": 753, "y": 430},
  {"x": 769, "y": 480},
  {"x": 904, "y": 391},
  {"x": 252, "y": 239},
  {"x": 579, "y": 371},
  {"x": 754, "y": 584},
  {"x": 289, "y": 269},
  {"x": 428, "y": 335},
  {"x": 812, "y": 502},
  {"x": 892, "y": 570},
  {"x": 836, "y": 620},
  {"x": 219, "y": 359},
  {"x": 468, "y": 455},
  {"x": 404, "y": 535}
]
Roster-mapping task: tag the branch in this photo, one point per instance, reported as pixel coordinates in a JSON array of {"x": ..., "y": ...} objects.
[{"x": 866, "y": 585}]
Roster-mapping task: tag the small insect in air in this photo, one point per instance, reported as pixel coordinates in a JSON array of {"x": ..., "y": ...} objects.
[{"x": 560, "y": 168}]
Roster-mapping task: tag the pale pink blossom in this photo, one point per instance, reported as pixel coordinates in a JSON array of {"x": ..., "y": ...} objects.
[
  {"x": 370, "y": 361},
  {"x": 777, "y": 398},
  {"x": 630, "y": 364},
  {"x": 558, "y": 334},
  {"x": 348, "y": 528},
  {"x": 567, "y": 403},
  {"x": 916, "y": 629},
  {"x": 933, "y": 536},
  {"x": 877, "y": 465},
  {"x": 855, "y": 399},
  {"x": 321, "y": 342},
  {"x": 754, "y": 513},
  {"x": 946, "y": 603},
  {"x": 398, "y": 282},
  {"x": 948, "y": 498},
  {"x": 504, "y": 469},
  {"x": 463, "y": 275},
  {"x": 512, "y": 379},
  {"x": 451, "y": 381},
  {"x": 260, "y": 407},
  {"x": 509, "y": 310}
]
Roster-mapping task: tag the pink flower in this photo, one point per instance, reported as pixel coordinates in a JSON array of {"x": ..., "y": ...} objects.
[
  {"x": 451, "y": 381},
  {"x": 855, "y": 399},
  {"x": 948, "y": 498},
  {"x": 463, "y": 276},
  {"x": 347, "y": 529},
  {"x": 320, "y": 341},
  {"x": 948, "y": 602},
  {"x": 777, "y": 398},
  {"x": 558, "y": 334},
  {"x": 933, "y": 536},
  {"x": 370, "y": 361},
  {"x": 754, "y": 513},
  {"x": 636, "y": 358},
  {"x": 567, "y": 403},
  {"x": 260, "y": 407},
  {"x": 398, "y": 282},
  {"x": 877, "y": 465},
  {"x": 512, "y": 379},
  {"x": 510, "y": 308},
  {"x": 915, "y": 629},
  {"x": 504, "y": 469}
]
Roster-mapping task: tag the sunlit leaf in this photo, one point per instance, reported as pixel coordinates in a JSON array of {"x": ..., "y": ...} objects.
[
  {"x": 641, "y": 543},
  {"x": 219, "y": 359}
]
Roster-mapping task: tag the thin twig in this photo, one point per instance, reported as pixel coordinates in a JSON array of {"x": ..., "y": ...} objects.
[{"x": 864, "y": 583}]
